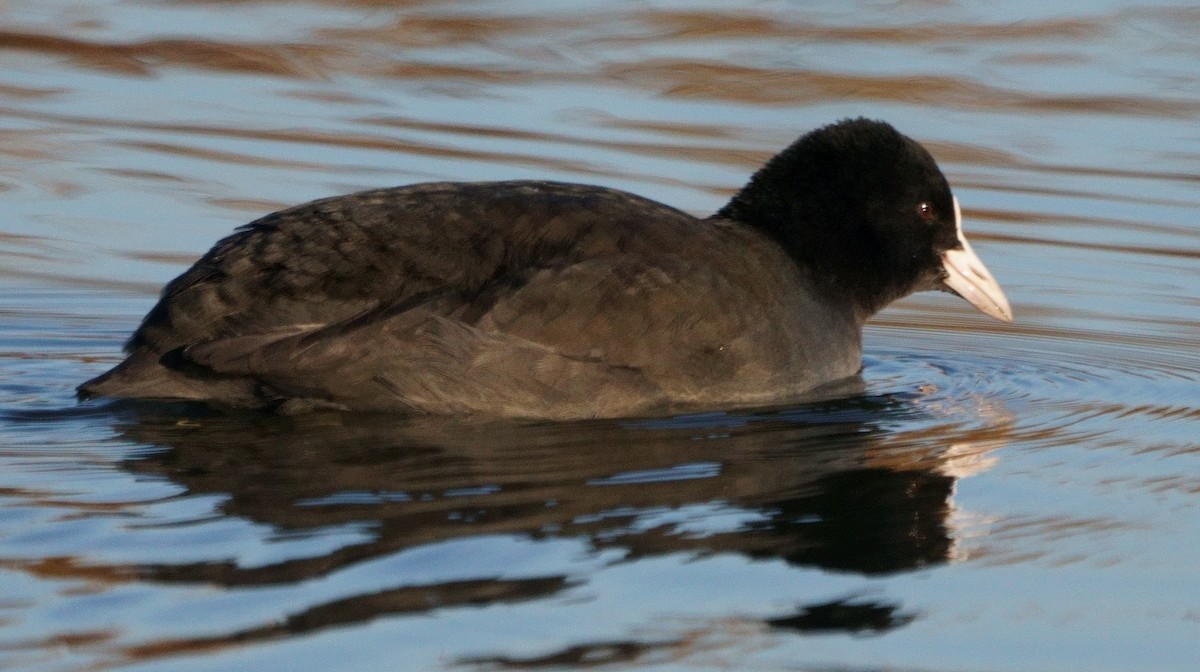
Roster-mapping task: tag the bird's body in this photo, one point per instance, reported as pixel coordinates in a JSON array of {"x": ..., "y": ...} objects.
[{"x": 538, "y": 299}]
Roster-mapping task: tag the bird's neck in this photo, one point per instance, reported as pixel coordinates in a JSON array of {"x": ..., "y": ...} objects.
[{"x": 837, "y": 265}]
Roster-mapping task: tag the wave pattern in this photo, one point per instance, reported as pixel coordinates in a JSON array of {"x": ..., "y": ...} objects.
[{"x": 1050, "y": 463}]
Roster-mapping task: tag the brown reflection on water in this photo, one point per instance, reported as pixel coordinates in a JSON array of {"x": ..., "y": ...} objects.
[
  {"x": 628, "y": 29},
  {"x": 35, "y": 248},
  {"x": 772, "y": 86},
  {"x": 704, "y": 25},
  {"x": 19, "y": 146},
  {"x": 432, "y": 30},
  {"x": 1099, "y": 247},
  {"x": 91, "y": 575},
  {"x": 537, "y": 49},
  {"x": 344, "y": 140},
  {"x": 449, "y": 146},
  {"x": 962, "y": 153},
  {"x": 1007, "y": 541},
  {"x": 210, "y": 154},
  {"x": 973, "y": 155},
  {"x": 142, "y": 58},
  {"x": 1131, "y": 227},
  {"x": 1042, "y": 190},
  {"x": 712, "y": 153},
  {"x": 362, "y": 609}
]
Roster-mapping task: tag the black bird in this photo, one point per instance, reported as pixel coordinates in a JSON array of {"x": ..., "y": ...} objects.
[{"x": 549, "y": 300}]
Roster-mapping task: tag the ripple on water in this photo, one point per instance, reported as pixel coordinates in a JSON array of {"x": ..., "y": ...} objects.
[
  {"x": 140, "y": 132},
  {"x": 1066, "y": 386}
]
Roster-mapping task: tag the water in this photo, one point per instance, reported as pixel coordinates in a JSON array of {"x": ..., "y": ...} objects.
[{"x": 1001, "y": 497}]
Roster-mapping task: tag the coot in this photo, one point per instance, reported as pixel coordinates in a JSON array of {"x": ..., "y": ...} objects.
[{"x": 550, "y": 300}]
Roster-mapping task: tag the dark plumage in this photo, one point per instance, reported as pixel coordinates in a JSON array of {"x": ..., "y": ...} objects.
[{"x": 552, "y": 300}]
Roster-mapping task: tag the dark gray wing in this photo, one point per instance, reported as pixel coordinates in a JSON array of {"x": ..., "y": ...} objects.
[
  {"x": 325, "y": 261},
  {"x": 612, "y": 336}
]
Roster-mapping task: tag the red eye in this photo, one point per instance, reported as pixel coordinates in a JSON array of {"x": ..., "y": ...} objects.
[{"x": 926, "y": 211}]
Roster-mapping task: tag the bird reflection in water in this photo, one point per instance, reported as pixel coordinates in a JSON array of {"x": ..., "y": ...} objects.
[{"x": 821, "y": 486}]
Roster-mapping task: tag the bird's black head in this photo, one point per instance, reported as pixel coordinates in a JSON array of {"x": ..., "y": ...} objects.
[{"x": 867, "y": 213}]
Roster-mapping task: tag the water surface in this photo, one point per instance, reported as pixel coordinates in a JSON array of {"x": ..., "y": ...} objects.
[{"x": 1001, "y": 497}]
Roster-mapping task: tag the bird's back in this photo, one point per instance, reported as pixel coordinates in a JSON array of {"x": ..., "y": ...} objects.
[
  {"x": 513, "y": 298},
  {"x": 330, "y": 259}
]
